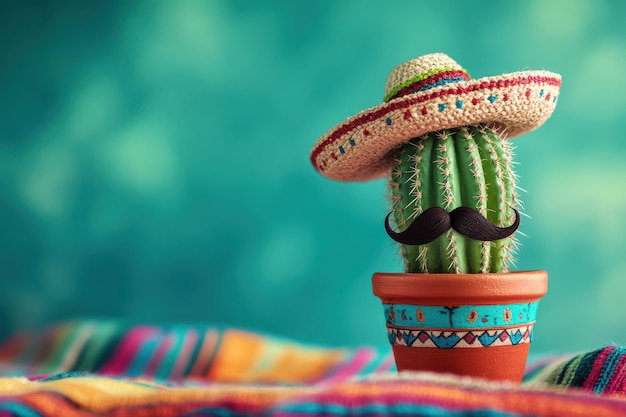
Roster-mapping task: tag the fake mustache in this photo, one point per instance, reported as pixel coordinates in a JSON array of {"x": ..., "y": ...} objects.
[{"x": 436, "y": 221}]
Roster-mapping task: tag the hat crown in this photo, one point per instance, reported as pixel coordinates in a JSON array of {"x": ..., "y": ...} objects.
[{"x": 422, "y": 73}]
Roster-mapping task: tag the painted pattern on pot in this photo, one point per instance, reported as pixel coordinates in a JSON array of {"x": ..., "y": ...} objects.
[
  {"x": 460, "y": 317},
  {"x": 461, "y": 339},
  {"x": 447, "y": 327}
]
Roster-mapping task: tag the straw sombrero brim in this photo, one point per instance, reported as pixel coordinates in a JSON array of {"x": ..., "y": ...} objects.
[{"x": 362, "y": 147}]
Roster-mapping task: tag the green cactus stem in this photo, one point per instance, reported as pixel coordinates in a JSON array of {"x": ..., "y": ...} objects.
[{"x": 468, "y": 166}]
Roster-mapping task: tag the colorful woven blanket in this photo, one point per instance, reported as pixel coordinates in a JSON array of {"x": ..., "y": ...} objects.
[{"x": 111, "y": 369}]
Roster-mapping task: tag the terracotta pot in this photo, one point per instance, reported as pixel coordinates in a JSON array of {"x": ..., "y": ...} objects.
[{"x": 478, "y": 325}]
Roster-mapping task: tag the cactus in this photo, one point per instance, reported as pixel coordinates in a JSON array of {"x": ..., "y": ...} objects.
[{"x": 467, "y": 166}]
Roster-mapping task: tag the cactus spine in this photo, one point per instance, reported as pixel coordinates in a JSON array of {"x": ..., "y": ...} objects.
[{"x": 468, "y": 166}]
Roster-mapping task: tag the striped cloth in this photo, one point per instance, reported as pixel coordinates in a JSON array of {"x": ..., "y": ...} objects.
[{"x": 91, "y": 368}]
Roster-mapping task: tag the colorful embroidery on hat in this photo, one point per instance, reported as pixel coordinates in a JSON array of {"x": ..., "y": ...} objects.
[
  {"x": 368, "y": 117},
  {"x": 428, "y": 80}
]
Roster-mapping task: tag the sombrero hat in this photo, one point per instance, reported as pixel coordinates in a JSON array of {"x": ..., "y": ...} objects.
[{"x": 428, "y": 94}]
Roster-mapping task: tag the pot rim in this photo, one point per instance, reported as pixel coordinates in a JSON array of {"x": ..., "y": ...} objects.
[{"x": 459, "y": 289}]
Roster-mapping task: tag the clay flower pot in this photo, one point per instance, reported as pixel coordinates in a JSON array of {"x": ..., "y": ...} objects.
[{"x": 478, "y": 325}]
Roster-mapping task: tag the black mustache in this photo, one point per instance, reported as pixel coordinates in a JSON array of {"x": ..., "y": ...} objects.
[{"x": 436, "y": 221}]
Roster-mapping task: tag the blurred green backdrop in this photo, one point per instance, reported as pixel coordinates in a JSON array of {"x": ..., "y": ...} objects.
[{"x": 154, "y": 160}]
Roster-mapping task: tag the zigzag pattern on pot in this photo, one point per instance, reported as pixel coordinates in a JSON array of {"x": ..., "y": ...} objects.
[{"x": 460, "y": 339}]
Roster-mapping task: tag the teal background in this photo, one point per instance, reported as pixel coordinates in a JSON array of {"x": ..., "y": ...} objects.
[{"x": 154, "y": 160}]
